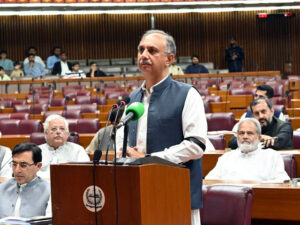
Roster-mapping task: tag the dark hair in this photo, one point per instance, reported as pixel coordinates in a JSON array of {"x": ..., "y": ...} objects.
[
  {"x": 31, "y": 47},
  {"x": 75, "y": 63},
  {"x": 267, "y": 88},
  {"x": 258, "y": 100},
  {"x": 91, "y": 63},
  {"x": 55, "y": 47},
  {"x": 16, "y": 63},
  {"x": 195, "y": 56},
  {"x": 114, "y": 114},
  {"x": 31, "y": 55},
  {"x": 63, "y": 52},
  {"x": 3, "y": 51},
  {"x": 28, "y": 146},
  {"x": 1, "y": 68}
]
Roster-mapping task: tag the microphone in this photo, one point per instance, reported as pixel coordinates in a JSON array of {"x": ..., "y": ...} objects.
[
  {"x": 124, "y": 101},
  {"x": 133, "y": 112},
  {"x": 226, "y": 98},
  {"x": 97, "y": 156},
  {"x": 67, "y": 98}
]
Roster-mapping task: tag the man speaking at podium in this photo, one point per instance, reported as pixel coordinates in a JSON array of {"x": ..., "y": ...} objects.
[{"x": 173, "y": 126}]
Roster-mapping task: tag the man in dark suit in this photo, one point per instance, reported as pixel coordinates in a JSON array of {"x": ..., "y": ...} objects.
[{"x": 63, "y": 66}]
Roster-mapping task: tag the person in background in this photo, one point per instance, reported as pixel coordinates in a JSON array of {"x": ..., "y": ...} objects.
[
  {"x": 5, "y": 158},
  {"x": 95, "y": 71},
  {"x": 3, "y": 76},
  {"x": 175, "y": 69},
  {"x": 25, "y": 195},
  {"x": 276, "y": 134},
  {"x": 195, "y": 67},
  {"x": 76, "y": 72},
  {"x": 17, "y": 72},
  {"x": 51, "y": 60},
  {"x": 6, "y": 63},
  {"x": 234, "y": 56},
  {"x": 249, "y": 162},
  {"x": 58, "y": 149},
  {"x": 34, "y": 68},
  {"x": 103, "y": 140},
  {"x": 33, "y": 50},
  {"x": 63, "y": 66}
]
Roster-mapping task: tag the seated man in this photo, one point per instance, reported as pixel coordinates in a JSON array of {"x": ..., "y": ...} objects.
[
  {"x": 34, "y": 68},
  {"x": 5, "y": 158},
  {"x": 3, "y": 76},
  {"x": 57, "y": 149},
  {"x": 265, "y": 91},
  {"x": 195, "y": 67},
  {"x": 103, "y": 140},
  {"x": 76, "y": 72},
  {"x": 95, "y": 71},
  {"x": 25, "y": 195},
  {"x": 249, "y": 161},
  {"x": 276, "y": 134},
  {"x": 62, "y": 67},
  {"x": 175, "y": 69}
]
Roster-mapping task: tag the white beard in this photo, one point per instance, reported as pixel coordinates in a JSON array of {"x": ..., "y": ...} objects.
[{"x": 246, "y": 148}]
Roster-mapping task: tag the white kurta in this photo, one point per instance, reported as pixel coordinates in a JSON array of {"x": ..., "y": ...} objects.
[
  {"x": 259, "y": 165},
  {"x": 193, "y": 125},
  {"x": 69, "y": 152},
  {"x": 5, "y": 170}
]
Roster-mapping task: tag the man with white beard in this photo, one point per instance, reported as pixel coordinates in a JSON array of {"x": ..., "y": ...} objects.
[{"x": 249, "y": 162}]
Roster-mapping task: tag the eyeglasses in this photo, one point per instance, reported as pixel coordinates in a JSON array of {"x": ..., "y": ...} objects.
[{"x": 23, "y": 165}]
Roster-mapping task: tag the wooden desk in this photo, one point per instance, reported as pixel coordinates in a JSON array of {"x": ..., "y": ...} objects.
[{"x": 271, "y": 201}]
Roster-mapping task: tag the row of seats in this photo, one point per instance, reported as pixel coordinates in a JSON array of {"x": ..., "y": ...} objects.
[{"x": 28, "y": 126}]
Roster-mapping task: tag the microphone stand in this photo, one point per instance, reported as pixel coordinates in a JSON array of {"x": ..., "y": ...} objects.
[{"x": 125, "y": 141}]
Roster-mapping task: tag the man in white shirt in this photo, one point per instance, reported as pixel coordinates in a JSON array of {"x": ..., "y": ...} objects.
[
  {"x": 57, "y": 149},
  {"x": 62, "y": 67},
  {"x": 26, "y": 194},
  {"x": 173, "y": 126},
  {"x": 249, "y": 161},
  {"x": 5, "y": 158}
]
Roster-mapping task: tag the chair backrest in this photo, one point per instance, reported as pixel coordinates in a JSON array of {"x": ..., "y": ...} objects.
[
  {"x": 226, "y": 205},
  {"x": 16, "y": 116},
  {"x": 58, "y": 102},
  {"x": 296, "y": 139},
  {"x": 289, "y": 164},
  {"x": 242, "y": 91},
  {"x": 39, "y": 138},
  {"x": 84, "y": 125},
  {"x": 218, "y": 141},
  {"x": 212, "y": 98},
  {"x": 206, "y": 106},
  {"x": 33, "y": 109},
  {"x": 11, "y": 126},
  {"x": 280, "y": 108},
  {"x": 220, "y": 121},
  {"x": 84, "y": 108},
  {"x": 71, "y": 114}
]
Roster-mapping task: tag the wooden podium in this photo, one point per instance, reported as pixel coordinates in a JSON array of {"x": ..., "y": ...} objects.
[{"x": 147, "y": 194}]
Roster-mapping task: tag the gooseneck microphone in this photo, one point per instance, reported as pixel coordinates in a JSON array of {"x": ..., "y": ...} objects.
[
  {"x": 97, "y": 156},
  {"x": 133, "y": 112}
]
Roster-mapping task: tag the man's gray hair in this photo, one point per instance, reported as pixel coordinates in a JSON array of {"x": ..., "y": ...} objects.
[
  {"x": 254, "y": 121},
  {"x": 170, "y": 43},
  {"x": 53, "y": 117}
]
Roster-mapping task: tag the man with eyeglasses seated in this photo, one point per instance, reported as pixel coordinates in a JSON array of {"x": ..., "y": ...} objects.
[
  {"x": 58, "y": 149},
  {"x": 25, "y": 195}
]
